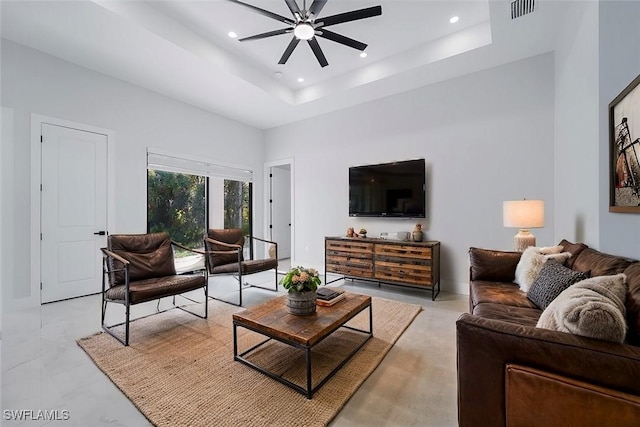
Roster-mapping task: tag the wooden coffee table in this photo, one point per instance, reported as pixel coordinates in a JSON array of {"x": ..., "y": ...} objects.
[{"x": 272, "y": 320}]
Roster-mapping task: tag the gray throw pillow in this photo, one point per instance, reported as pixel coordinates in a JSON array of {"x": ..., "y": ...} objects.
[
  {"x": 551, "y": 281},
  {"x": 592, "y": 308}
]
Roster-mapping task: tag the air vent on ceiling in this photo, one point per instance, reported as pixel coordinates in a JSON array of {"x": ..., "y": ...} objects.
[{"x": 521, "y": 7}]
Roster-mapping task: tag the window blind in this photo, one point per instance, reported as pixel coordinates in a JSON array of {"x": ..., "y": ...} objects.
[{"x": 175, "y": 163}]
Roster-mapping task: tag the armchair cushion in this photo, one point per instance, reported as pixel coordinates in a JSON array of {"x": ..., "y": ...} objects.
[
  {"x": 232, "y": 236},
  {"x": 257, "y": 265},
  {"x": 150, "y": 256},
  {"x": 151, "y": 289}
]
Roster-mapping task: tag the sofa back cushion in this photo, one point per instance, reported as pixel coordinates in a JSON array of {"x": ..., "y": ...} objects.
[
  {"x": 150, "y": 255},
  {"x": 574, "y": 249},
  {"x": 493, "y": 266},
  {"x": 600, "y": 264},
  {"x": 633, "y": 303}
]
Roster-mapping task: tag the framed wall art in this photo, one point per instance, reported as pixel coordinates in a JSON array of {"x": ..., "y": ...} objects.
[{"x": 624, "y": 142}]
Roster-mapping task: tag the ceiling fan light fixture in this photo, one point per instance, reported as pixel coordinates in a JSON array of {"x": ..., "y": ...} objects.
[{"x": 304, "y": 31}]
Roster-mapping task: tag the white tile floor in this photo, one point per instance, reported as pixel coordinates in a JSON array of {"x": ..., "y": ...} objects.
[{"x": 44, "y": 369}]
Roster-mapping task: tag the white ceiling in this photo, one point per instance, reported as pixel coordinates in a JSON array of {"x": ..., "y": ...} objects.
[{"x": 181, "y": 49}]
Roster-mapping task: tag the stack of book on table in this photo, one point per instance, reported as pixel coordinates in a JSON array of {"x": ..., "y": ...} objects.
[{"x": 328, "y": 296}]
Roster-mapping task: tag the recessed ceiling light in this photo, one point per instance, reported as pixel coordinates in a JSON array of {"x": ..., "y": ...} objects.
[
  {"x": 454, "y": 19},
  {"x": 232, "y": 34},
  {"x": 363, "y": 54},
  {"x": 300, "y": 79},
  {"x": 277, "y": 74}
]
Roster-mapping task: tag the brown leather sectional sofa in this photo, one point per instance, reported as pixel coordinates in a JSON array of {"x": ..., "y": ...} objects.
[{"x": 512, "y": 373}]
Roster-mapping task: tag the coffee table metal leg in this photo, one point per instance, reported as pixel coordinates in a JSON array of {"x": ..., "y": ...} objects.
[
  {"x": 235, "y": 342},
  {"x": 309, "y": 389}
]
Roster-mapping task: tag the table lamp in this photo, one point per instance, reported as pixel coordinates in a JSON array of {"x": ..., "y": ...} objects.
[{"x": 523, "y": 214}]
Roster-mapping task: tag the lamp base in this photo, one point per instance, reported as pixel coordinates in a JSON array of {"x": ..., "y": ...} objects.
[{"x": 523, "y": 240}]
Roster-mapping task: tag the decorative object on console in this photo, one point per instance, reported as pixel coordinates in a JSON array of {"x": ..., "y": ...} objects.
[
  {"x": 398, "y": 235},
  {"x": 417, "y": 234},
  {"x": 531, "y": 262},
  {"x": 624, "y": 149},
  {"x": 523, "y": 214},
  {"x": 302, "y": 284},
  {"x": 363, "y": 232},
  {"x": 593, "y": 308},
  {"x": 351, "y": 233}
]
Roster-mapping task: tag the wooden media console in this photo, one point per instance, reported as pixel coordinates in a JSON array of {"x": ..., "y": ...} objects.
[{"x": 410, "y": 264}]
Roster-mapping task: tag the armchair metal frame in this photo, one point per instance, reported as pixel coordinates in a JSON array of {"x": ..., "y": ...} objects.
[
  {"x": 127, "y": 284},
  {"x": 237, "y": 250}
]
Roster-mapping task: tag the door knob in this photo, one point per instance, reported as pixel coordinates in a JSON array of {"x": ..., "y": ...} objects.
[{"x": 100, "y": 233}]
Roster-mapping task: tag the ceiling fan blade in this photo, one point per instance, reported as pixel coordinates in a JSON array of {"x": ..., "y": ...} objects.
[
  {"x": 317, "y": 6},
  {"x": 267, "y": 34},
  {"x": 266, "y": 13},
  {"x": 338, "y": 38},
  {"x": 289, "y": 50},
  {"x": 293, "y": 6},
  {"x": 315, "y": 47},
  {"x": 354, "y": 15}
]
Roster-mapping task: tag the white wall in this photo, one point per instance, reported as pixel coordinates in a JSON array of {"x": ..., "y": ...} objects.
[
  {"x": 486, "y": 137},
  {"x": 33, "y": 82},
  {"x": 619, "y": 46},
  {"x": 577, "y": 178}
]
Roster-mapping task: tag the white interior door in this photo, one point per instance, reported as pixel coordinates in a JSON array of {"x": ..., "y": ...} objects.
[
  {"x": 73, "y": 211},
  {"x": 281, "y": 209}
]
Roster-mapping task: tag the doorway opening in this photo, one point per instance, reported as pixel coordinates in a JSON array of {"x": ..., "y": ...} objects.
[{"x": 280, "y": 210}]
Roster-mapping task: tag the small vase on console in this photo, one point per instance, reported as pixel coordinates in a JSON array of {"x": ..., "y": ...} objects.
[{"x": 417, "y": 234}]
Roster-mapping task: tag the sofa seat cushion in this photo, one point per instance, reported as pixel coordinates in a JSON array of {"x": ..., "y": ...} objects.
[
  {"x": 508, "y": 294},
  {"x": 150, "y": 289},
  {"x": 520, "y": 315}
]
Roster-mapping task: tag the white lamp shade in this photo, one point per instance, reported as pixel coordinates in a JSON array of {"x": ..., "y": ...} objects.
[{"x": 523, "y": 213}]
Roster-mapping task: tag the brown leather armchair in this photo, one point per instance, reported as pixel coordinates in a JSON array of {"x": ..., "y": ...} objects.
[
  {"x": 140, "y": 268},
  {"x": 224, "y": 255}
]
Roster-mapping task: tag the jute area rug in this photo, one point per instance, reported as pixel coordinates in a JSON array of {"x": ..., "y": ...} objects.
[{"x": 179, "y": 369}]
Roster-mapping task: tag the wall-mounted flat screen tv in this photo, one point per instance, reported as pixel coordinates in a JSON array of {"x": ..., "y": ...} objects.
[{"x": 388, "y": 190}]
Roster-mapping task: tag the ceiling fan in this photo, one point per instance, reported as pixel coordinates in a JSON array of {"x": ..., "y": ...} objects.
[{"x": 306, "y": 25}]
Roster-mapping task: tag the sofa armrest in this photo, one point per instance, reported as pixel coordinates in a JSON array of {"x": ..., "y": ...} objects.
[
  {"x": 486, "y": 346},
  {"x": 493, "y": 266}
]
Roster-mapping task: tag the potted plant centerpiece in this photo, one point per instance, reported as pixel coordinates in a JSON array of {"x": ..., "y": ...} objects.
[{"x": 301, "y": 283}]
